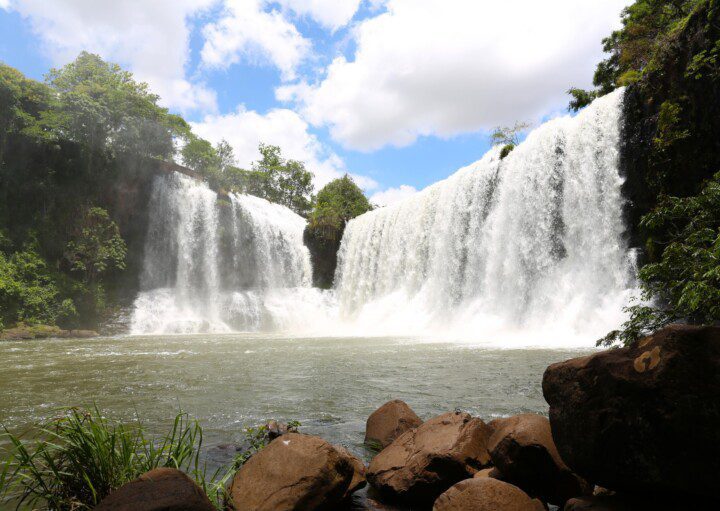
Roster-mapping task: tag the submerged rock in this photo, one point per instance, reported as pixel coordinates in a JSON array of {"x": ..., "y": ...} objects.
[
  {"x": 523, "y": 451},
  {"x": 161, "y": 489},
  {"x": 294, "y": 472},
  {"x": 424, "y": 462},
  {"x": 389, "y": 422},
  {"x": 486, "y": 494},
  {"x": 642, "y": 419}
]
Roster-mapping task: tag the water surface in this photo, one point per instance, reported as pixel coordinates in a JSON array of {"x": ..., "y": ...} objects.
[{"x": 229, "y": 382}]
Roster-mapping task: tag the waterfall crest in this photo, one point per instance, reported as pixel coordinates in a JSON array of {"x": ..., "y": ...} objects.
[
  {"x": 215, "y": 265},
  {"x": 531, "y": 245}
]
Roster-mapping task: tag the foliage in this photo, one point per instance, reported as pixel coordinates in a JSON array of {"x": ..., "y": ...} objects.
[
  {"x": 684, "y": 284},
  {"x": 76, "y": 460},
  {"x": 30, "y": 291},
  {"x": 668, "y": 130},
  {"x": 96, "y": 247},
  {"x": 509, "y": 135},
  {"x": 647, "y": 26},
  {"x": 337, "y": 203},
  {"x": 282, "y": 181}
]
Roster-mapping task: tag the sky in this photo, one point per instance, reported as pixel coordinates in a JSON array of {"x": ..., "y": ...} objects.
[{"x": 397, "y": 93}]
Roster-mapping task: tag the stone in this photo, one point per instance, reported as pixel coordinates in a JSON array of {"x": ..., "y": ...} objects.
[
  {"x": 486, "y": 494},
  {"x": 389, "y": 422},
  {"x": 523, "y": 451},
  {"x": 358, "y": 480},
  {"x": 627, "y": 419},
  {"x": 425, "y": 461},
  {"x": 161, "y": 489},
  {"x": 294, "y": 472}
]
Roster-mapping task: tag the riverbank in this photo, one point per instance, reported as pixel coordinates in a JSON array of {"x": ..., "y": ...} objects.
[{"x": 26, "y": 332}]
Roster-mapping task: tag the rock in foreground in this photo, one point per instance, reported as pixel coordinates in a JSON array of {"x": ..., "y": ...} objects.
[
  {"x": 424, "y": 462},
  {"x": 486, "y": 494},
  {"x": 643, "y": 418},
  {"x": 294, "y": 472},
  {"x": 162, "y": 489},
  {"x": 522, "y": 449},
  {"x": 389, "y": 422}
]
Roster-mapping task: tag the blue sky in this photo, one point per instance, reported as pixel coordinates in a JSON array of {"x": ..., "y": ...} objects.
[{"x": 399, "y": 93}]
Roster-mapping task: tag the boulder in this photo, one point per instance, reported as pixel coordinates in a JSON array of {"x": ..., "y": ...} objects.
[
  {"x": 491, "y": 472},
  {"x": 602, "y": 503},
  {"x": 389, "y": 422},
  {"x": 358, "y": 480},
  {"x": 522, "y": 449},
  {"x": 294, "y": 472},
  {"x": 486, "y": 494},
  {"x": 161, "y": 489},
  {"x": 424, "y": 462},
  {"x": 276, "y": 429},
  {"x": 642, "y": 419}
]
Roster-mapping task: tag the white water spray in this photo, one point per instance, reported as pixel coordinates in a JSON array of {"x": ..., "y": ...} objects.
[
  {"x": 524, "y": 250},
  {"x": 218, "y": 265}
]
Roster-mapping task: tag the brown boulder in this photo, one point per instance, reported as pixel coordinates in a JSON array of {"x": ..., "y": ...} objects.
[
  {"x": 358, "y": 480},
  {"x": 627, "y": 418},
  {"x": 522, "y": 449},
  {"x": 491, "y": 472},
  {"x": 424, "y": 462},
  {"x": 161, "y": 489},
  {"x": 294, "y": 472},
  {"x": 486, "y": 494},
  {"x": 389, "y": 422}
]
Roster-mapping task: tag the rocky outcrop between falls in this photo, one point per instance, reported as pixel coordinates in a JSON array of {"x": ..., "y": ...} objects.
[
  {"x": 524, "y": 453},
  {"x": 424, "y": 462},
  {"x": 486, "y": 494},
  {"x": 295, "y": 472},
  {"x": 161, "y": 489},
  {"x": 642, "y": 419},
  {"x": 389, "y": 422}
]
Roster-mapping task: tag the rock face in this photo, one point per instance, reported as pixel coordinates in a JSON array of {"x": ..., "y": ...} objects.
[
  {"x": 486, "y": 494},
  {"x": 162, "y": 489},
  {"x": 424, "y": 462},
  {"x": 358, "y": 480},
  {"x": 294, "y": 472},
  {"x": 643, "y": 418},
  {"x": 389, "y": 422},
  {"x": 523, "y": 451}
]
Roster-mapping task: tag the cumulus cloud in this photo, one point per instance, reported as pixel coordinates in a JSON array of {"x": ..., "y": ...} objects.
[
  {"x": 444, "y": 67},
  {"x": 245, "y": 129},
  {"x": 4, "y": 4},
  {"x": 331, "y": 14},
  {"x": 247, "y": 32},
  {"x": 150, "y": 38},
  {"x": 392, "y": 195}
]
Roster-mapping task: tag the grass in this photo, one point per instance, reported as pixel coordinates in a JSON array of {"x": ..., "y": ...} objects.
[{"x": 74, "y": 461}]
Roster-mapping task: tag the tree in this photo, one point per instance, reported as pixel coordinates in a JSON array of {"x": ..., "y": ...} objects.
[
  {"x": 338, "y": 202},
  {"x": 508, "y": 137},
  {"x": 96, "y": 246},
  {"x": 103, "y": 108},
  {"x": 285, "y": 182},
  {"x": 684, "y": 282}
]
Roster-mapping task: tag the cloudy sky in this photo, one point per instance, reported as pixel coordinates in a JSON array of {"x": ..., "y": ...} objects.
[{"x": 399, "y": 93}]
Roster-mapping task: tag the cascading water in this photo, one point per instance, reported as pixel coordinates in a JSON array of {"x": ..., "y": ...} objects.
[
  {"x": 527, "y": 249},
  {"x": 216, "y": 265}
]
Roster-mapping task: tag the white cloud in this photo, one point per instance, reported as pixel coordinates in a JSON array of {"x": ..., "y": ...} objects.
[
  {"x": 332, "y": 14},
  {"x": 245, "y": 129},
  {"x": 443, "y": 67},
  {"x": 246, "y": 32},
  {"x": 4, "y": 4},
  {"x": 150, "y": 38},
  {"x": 392, "y": 195}
]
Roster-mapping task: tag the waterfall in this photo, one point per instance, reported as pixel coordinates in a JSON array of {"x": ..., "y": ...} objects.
[
  {"x": 529, "y": 248},
  {"x": 218, "y": 265}
]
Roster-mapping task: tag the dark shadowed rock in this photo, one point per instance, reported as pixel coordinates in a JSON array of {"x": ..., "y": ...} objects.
[
  {"x": 389, "y": 422},
  {"x": 491, "y": 472},
  {"x": 523, "y": 451},
  {"x": 486, "y": 494},
  {"x": 358, "y": 480},
  {"x": 162, "y": 489},
  {"x": 424, "y": 462},
  {"x": 643, "y": 419},
  {"x": 294, "y": 472}
]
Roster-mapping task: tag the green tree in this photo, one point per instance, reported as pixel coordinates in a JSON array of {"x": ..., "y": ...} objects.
[
  {"x": 96, "y": 246},
  {"x": 285, "y": 182},
  {"x": 337, "y": 203},
  {"x": 684, "y": 283},
  {"x": 102, "y": 107},
  {"x": 508, "y": 136}
]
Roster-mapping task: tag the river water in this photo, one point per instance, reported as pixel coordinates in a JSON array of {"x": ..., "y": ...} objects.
[{"x": 232, "y": 381}]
